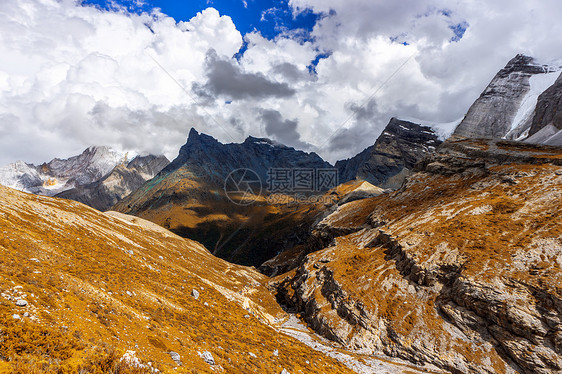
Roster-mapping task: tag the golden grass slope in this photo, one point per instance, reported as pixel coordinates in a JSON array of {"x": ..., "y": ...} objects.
[
  {"x": 98, "y": 285},
  {"x": 461, "y": 270}
]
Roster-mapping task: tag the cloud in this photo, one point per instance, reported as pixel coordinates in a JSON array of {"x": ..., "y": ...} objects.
[
  {"x": 283, "y": 130},
  {"x": 71, "y": 76},
  {"x": 66, "y": 68},
  {"x": 227, "y": 79}
]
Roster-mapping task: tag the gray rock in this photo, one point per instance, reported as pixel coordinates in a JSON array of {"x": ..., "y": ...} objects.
[
  {"x": 21, "y": 302},
  {"x": 195, "y": 294},
  {"x": 493, "y": 112},
  {"x": 207, "y": 357},
  {"x": 176, "y": 357},
  {"x": 549, "y": 108},
  {"x": 104, "y": 193}
]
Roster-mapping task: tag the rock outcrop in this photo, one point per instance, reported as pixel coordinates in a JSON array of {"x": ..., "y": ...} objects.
[
  {"x": 459, "y": 268},
  {"x": 395, "y": 153}
]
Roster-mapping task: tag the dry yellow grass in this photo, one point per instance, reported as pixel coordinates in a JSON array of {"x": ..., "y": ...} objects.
[{"x": 99, "y": 285}]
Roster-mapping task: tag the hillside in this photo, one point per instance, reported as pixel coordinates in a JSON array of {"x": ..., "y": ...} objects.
[
  {"x": 99, "y": 285},
  {"x": 459, "y": 268}
]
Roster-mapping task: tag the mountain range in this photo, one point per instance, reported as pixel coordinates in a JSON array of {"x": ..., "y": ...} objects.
[
  {"x": 428, "y": 253},
  {"x": 98, "y": 177}
]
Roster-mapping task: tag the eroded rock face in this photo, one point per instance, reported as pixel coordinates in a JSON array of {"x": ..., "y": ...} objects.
[
  {"x": 460, "y": 268},
  {"x": 395, "y": 153}
]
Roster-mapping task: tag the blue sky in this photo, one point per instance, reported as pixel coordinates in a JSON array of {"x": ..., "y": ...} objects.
[{"x": 269, "y": 17}]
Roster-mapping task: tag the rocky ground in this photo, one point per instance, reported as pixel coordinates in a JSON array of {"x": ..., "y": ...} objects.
[{"x": 460, "y": 268}]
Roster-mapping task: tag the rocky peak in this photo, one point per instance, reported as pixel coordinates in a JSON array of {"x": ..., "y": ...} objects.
[
  {"x": 505, "y": 109},
  {"x": 120, "y": 182},
  {"x": 522, "y": 64},
  {"x": 386, "y": 163},
  {"x": 207, "y": 157}
]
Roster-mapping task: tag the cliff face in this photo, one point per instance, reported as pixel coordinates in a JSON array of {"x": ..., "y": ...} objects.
[
  {"x": 387, "y": 163},
  {"x": 521, "y": 102},
  {"x": 120, "y": 182},
  {"x": 546, "y": 127},
  {"x": 492, "y": 114},
  {"x": 459, "y": 268}
]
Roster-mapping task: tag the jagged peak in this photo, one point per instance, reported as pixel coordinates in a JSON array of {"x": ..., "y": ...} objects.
[
  {"x": 522, "y": 63},
  {"x": 264, "y": 141},
  {"x": 193, "y": 133},
  {"x": 195, "y": 137}
]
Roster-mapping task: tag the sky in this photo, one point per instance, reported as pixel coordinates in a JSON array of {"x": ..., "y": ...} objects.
[{"x": 324, "y": 76}]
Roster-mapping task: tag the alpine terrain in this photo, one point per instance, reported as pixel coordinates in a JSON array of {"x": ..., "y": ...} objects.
[
  {"x": 438, "y": 249},
  {"x": 98, "y": 177}
]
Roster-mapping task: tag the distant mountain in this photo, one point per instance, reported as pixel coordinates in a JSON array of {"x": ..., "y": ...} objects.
[
  {"x": 520, "y": 103},
  {"x": 189, "y": 198},
  {"x": 61, "y": 174},
  {"x": 120, "y": 182},
  {"x": 387, "y": 163},
  {"x": 98, "y": 177},
  {"x": 208, "y": 158}
]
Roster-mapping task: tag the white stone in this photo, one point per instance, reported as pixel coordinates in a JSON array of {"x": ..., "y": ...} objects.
[{"x": 207, "y": 357}]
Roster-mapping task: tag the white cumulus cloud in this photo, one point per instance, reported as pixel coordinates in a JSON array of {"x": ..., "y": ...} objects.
[{"x": 73, "y": 76}]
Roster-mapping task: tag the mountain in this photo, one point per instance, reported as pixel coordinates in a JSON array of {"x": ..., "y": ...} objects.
[
  {"x": 83, "y": 291},
  {"x": 387, "y": 163},
  {"x": 521, "y": 98},
  {"x": 195, "y": 197},
  {"x": 120, "y": 182},
  {"x": 61, "y": 174},
  {"x": 209, "y": 159},
  {"x": 99, "y": 177},
  {"x": 459, "y": 268}
]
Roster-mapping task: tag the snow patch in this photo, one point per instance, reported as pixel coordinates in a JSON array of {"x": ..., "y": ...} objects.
[
  {"x": 442, "y": 130},
  {"x": 538, "y": 84}
]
